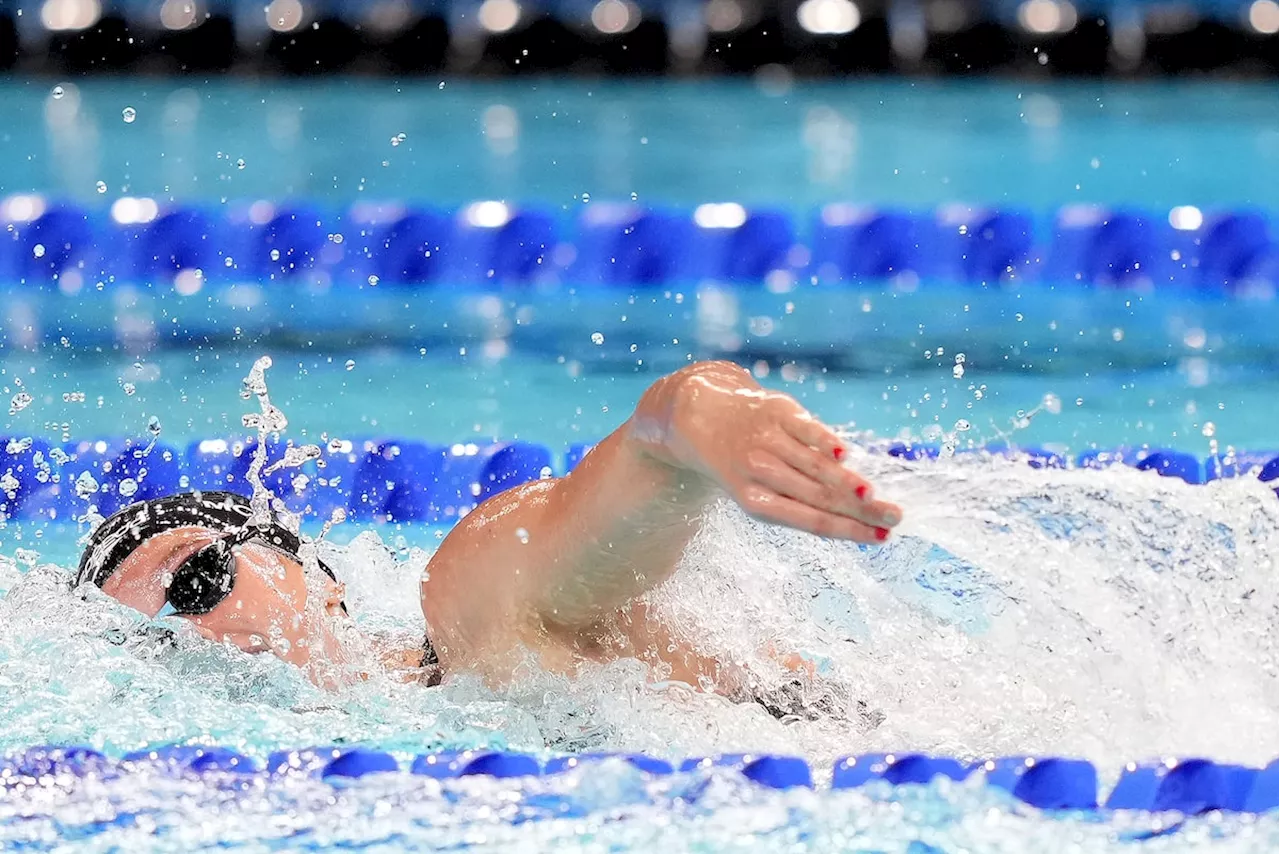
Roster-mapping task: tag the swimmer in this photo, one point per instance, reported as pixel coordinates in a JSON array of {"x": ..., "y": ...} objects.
[{"x": 555, "y": 567}]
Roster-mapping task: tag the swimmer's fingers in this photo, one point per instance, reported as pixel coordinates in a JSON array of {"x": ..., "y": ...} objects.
[
  {"x": 768, "y": 506},
  {"x": 804, "y": 428},
  {"x": 775, "y": 473},
  {"x": 854, "y": 494}
]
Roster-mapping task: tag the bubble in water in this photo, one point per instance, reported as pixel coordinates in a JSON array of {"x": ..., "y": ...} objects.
[
  {"x": 299, "y": 483},
  {"x": 129, "y": 388},
  {"x": 597, "y": 338},
  {"x": 9, "y": 484},
  {"x": 102, "y": 186},
  {"x": 1209, "y": 429},
  {"x": 962, "y": 426},
  {"x": 522, "y": 535},
  {"x": 128, "y": 114},
  {"x": 957, "y": 370},
  {"x": 275, "y": 254},
  {"x": 959, "y": 358},
  {"x": 153, "y": 426},
  {"x": 240, "y": 164},
  {"x": 1052, "y": 404},
  {"x": 38, "y": 250},
  {"x": 85, "y": 485},
  {"x": 373, "y": 281},
  {"x": 17, "y": 446},
  {"x": 19, "y": 402},
  {"x": 351, "y": 364},
  {"x": 128, "y": 487},
  {"x": 335, "y": 445},
  {"x": 398, "y": 138},
  {"x": 58, "y": 92}
]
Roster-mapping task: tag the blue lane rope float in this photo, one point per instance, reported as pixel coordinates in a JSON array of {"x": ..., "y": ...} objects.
[
  {"x": 45, "y": 243},
  {"x": 409, "y": 480},
  {"x": 1189, "y": 786}
]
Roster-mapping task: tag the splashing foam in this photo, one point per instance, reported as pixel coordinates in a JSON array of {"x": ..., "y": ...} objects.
[{"x": 1100, "y": 614}]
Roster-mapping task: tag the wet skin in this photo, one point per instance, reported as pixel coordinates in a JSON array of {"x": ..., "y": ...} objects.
[{"x": 557, "y": 566}]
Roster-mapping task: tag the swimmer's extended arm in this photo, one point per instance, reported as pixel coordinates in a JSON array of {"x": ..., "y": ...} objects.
[{"x": 561, "y": 555}]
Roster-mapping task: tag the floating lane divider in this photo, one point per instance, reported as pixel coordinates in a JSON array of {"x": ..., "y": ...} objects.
[
  {"x": 407, "y": 480},
  {"x": 46, "y": 242},
  {"x": 1189, "y": 786}
]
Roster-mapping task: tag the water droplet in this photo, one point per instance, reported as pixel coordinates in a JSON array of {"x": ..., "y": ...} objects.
[
  {"x": 58, "y": 92},
  {"x": 597, "y": 338},
  {"x": 85, "y": 485},
  {"x": 128, "y": 114},
  {"x": 1209, "y": 429},
  {"x": 128, "y": 487},
  {"x": 351, "y": 364},
  {"x": 102, "y": 186}
]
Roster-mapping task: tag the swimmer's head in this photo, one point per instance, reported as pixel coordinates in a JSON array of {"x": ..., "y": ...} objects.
[{"x": 194, "y": 555}]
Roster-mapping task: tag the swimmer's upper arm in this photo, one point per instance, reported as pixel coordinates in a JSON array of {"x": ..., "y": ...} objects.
[
  {"x": 561, "y": 554},
  {"x": 558, "y": 554}
]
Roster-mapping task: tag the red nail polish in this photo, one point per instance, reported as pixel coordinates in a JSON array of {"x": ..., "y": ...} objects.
[
  {"x": 861, "y": 491},
  {"x": 838, "y": 452},
  {"x": 882, "y": 534}
]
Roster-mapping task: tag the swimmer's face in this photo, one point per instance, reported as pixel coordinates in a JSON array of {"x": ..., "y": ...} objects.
[{"x": 266, "y": 611}]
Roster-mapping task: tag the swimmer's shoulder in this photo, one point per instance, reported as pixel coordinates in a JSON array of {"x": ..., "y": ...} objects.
[{"x": 474, "y": 590}]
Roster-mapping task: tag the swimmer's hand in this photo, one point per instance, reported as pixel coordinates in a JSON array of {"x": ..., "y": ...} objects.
[{"x": 768, "y": 453}]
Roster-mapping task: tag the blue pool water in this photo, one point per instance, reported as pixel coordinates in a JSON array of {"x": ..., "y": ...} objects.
[
  {"x": 1100, "y": 614},
  {"x": 900, "y": 143}
]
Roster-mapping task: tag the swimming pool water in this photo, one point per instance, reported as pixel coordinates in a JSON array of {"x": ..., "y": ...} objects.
[
  {"x": 1106, "y": 614},
  {"x": 900, "y": 143}
]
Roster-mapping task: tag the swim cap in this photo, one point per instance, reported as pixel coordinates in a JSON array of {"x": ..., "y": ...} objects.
[{"x": 204, "y": 579}]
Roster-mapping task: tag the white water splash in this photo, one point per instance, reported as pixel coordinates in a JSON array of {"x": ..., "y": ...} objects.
[{"x": 1098, "y": 614}]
